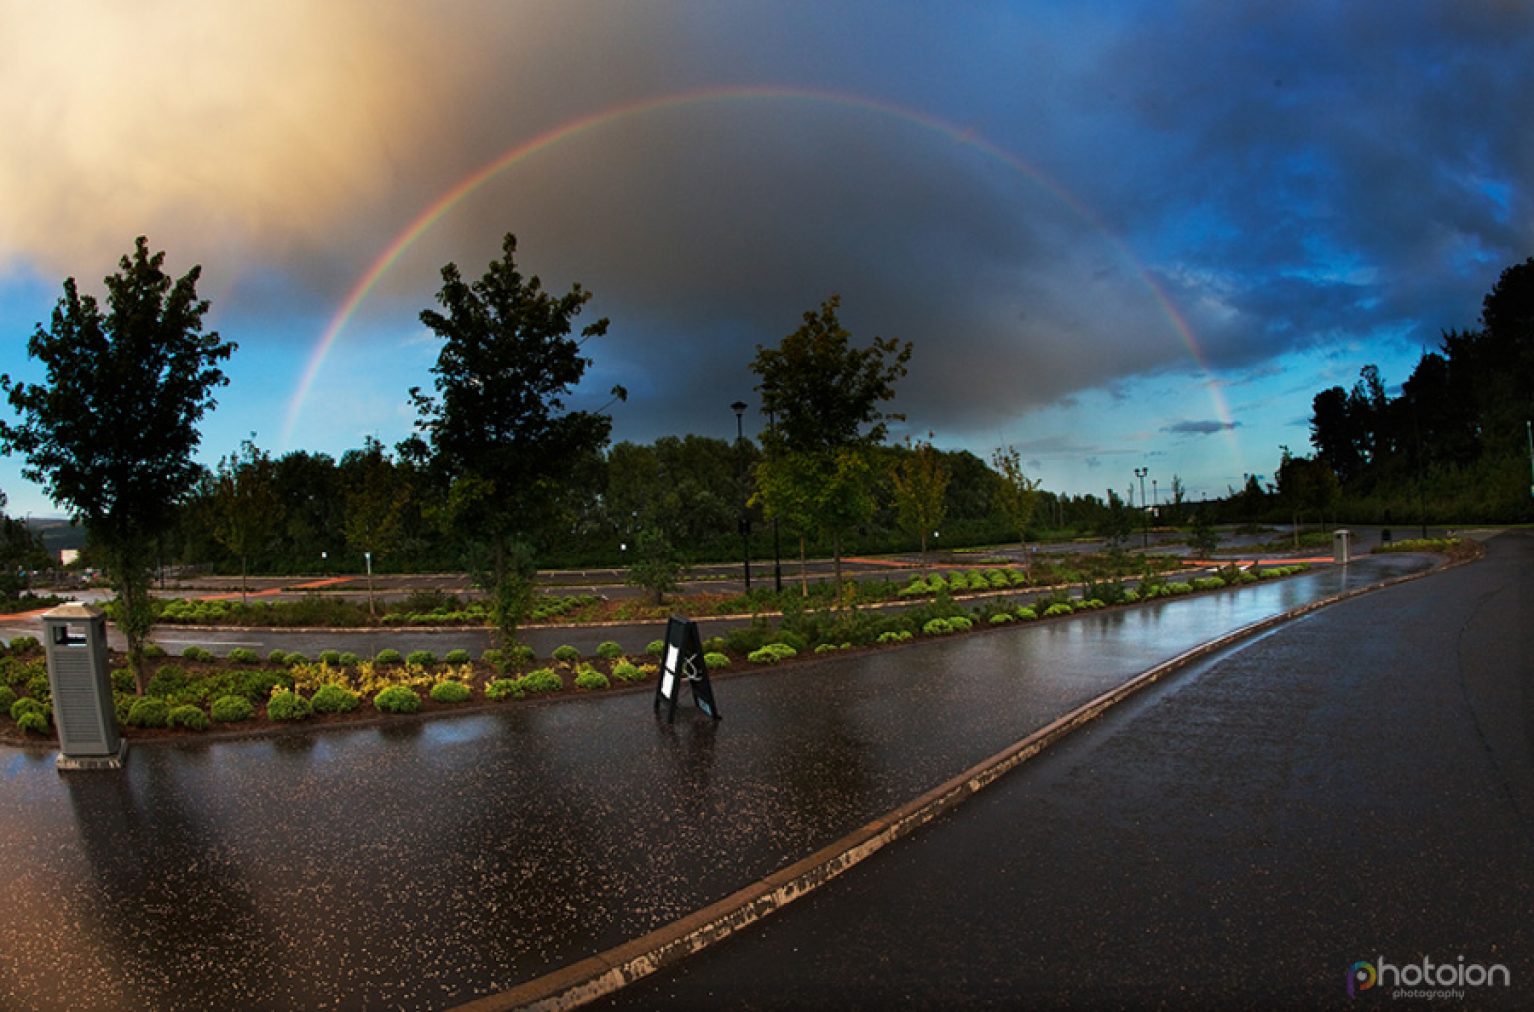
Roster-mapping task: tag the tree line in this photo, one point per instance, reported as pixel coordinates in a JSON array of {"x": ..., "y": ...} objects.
[{"x": 1452, "y": 446}]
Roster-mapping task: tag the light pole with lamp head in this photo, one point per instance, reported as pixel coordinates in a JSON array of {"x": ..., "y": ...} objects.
[
  {"x": 739, "y": 407},
  {"x": 777, "y": 550}
]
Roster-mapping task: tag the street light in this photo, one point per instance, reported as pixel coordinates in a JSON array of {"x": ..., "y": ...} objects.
[
  {"x": 777, "y": 550},
  {"x": 739, "y": 407},
  {"x": 1141, "y": 472}
]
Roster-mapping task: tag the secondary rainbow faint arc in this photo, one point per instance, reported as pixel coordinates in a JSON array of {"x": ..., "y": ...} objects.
[{"x": 450, "y": 198}]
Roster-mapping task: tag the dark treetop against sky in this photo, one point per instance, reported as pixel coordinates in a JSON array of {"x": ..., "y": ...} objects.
[{"x": 1119, "y": 235}]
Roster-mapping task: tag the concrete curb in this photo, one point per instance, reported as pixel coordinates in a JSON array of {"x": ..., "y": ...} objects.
[{"x": 608, "y": 971}]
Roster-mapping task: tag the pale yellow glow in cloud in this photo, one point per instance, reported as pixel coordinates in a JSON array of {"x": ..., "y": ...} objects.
[{"x": 208, "y": 125}]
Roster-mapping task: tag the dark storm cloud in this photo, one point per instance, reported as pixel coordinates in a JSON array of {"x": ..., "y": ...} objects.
[
  {"x": 1199, "y": 428},
  {"x": 1286, "y": 175}
]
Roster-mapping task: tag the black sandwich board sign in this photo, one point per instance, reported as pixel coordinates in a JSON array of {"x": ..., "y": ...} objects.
[{"x": 682, "y": 662}]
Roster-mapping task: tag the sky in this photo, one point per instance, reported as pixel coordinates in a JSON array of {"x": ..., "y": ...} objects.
[{"x": 1118, "y": 235}]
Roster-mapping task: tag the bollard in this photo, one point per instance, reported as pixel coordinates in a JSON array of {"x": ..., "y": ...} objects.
[{"x": 75, "y": 642}]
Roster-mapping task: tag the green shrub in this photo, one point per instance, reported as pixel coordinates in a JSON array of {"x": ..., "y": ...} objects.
[
  {"x": 151, "y": 711},
  {"x": 1002, "y": 618},
  {"x": 501, "y": 688},
  {"x": 771, "y": 653},
  {"x": 1016, "y": 577},
  {"x": 334, "y": 698},
  {"x": 38, "y": 687},
  {"x": 123, "y": 680},
  {"x": 232, "y": 709},
  {"x": 288, "y": 705},
  {"x": 153, "y": 651},
  {"x": 459, "y": 656},
  {"x": 1208, "y": 583},
  {"x": 609, "y": 650},
  {"x": 1178, "y": 587},
  {"x": 541, "y": 680},
  {"x": 397, "y": 699},
  {"x": 349, "y": 659},
  {"x": 936, "y": 627},
  {"x": 278, "y": 656},
  {"x": 190, "y": 717},
  {"x": 244, "y": 655},
  {"x": 998, "y": 579},
  {"x": 331, "y": 657},
  {"x": 1131, "y": 596},
  {"x": 961, "y": 623},
  {"x": 896, "y": 636},
  {"x": 389, "y": 656},
  {"x": 1026, "y": 614},
  {"x": 714, "y": 660},
  {"x": 26, "y": 704},
  {"x": 122, "y": 702},
  {"x": 421, "y": 658},
  {"x": 256, "y": 686},
  {"x": 625, "y": 671},
  {"x": 655, "y": 648},
  {"x": 1092, "y": 604},
  {"x": 567, "y": 654},
  {"x": 24, "y": 644},
  {"x": 591, "y": 678},
  {"x": 167, "y": 680},
  {"x": 713, "y": 645},
  {"x": 196, "y": 653},
  {"x": 33, "y": 722},
  {"x": 7, "y": 697},
  {"x": 292, "y": 658},
  {"x": 450, "y": 692},
  {"x": 1059, "y": 608},
  {"x": 826, "y": 648}
]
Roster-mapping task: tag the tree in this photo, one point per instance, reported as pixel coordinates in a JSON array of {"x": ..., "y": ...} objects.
[
  {"x": 375, "y": 505},
  {"x": 499, "y": 433},
  {"x": 110, "y": 433},
  {"x": 1203, "y": 538},
  {"x": 1017, "y": 496},
  {"x": 20, "y": 551},
  {"x": 1116, "y": 523},
  {"x": 246, "y": 509},
  {"x": 655, "y": 566},
  {"x": 825, "y": 397},
  {"x": 1179, "y": 497},
  {"x": 920, "y": 484}
]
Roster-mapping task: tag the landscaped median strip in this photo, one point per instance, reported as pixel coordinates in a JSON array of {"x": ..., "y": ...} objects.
[{"x": 606, "y": 972}]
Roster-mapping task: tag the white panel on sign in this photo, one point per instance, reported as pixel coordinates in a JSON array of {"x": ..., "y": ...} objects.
[{"x": 667, "y": 684}]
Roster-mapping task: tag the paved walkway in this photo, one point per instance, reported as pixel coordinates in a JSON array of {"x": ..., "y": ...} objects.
[{"x": 422, "y": 863}]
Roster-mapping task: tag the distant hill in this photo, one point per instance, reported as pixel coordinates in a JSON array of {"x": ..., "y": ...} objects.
[{"x": 57, "y": 534}]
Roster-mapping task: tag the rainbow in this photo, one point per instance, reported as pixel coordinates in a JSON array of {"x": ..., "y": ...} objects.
[{"x": 597, "y": 120}]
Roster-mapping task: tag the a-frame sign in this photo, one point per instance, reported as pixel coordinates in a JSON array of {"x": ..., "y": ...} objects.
[{"x": 682, "y": 662}]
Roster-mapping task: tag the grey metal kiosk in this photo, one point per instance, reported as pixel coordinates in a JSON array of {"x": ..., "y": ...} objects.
[
  {"x": 1341, "y": 546},
  {"x": 75, "y": 641}
]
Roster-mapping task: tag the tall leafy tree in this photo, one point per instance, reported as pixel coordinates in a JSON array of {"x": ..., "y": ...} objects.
[
  {"x": 20, "y": 551},
  {"x": 111, "y": 430},
  {"x": 375, "y": 505},
  {"x": 246, "y": 508},
  {"x": 1017, "y": 496},
  {"x": 499, "y": 430},
  {"x": 920, "y": 484},
  {"x": 826, "y": 398}
]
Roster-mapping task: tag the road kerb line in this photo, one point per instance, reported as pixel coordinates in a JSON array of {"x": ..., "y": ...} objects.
[{"x": 596, "y": 976}]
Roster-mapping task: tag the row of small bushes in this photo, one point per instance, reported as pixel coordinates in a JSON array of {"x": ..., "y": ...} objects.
[{"x": 427, "y": 608}]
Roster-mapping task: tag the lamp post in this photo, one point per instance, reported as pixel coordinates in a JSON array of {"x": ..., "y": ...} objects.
[
  {"x": 777, "y": 550},
  {"x": 1141, "y": 472},
  {"x": 739, "y": 407}
]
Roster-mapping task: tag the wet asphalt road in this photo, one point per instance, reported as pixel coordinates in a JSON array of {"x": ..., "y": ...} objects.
[
  {"x": 1356, "y": 785},
  {"x": 421, "y": 863}
]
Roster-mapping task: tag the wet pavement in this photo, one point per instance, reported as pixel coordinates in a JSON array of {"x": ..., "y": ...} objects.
[
  {"x": 1355, "y": 785},
  {"x": 422, "y": 863}
]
